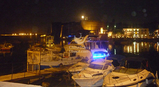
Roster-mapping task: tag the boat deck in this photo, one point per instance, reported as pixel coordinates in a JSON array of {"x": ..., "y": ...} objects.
[{"x": 128, "y": 70}]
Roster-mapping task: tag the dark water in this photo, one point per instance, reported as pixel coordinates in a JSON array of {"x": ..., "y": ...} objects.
[{"x": 15, "y": 60}]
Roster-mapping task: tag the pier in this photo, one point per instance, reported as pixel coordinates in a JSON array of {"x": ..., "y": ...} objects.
[{"x": 32, "y": 76}]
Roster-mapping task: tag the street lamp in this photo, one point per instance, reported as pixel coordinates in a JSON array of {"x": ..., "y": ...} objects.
[{"x": 82, "y": 17}]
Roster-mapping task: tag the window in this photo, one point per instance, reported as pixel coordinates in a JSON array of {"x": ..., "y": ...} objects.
[{"x": 96, "y": 66}]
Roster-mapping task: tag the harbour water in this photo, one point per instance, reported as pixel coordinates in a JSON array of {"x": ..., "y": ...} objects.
[{"x": 16, "y": 60}]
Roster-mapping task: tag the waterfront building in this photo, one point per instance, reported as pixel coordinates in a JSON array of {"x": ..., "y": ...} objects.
[
  {"x": 95, "y": 27},
  {"x": 136, "y": 32},
  {"x": 156, "y": 33}
]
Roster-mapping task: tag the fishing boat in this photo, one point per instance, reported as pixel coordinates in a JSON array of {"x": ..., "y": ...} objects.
[
  {"x": 6, "y": 46},
  {"x": 127, "y": 76},
  {"x": 94, "y": 74},
  {"x": 96, "y": 54}
]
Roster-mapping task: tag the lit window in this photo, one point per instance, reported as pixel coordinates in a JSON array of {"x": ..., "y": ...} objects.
[
  {"x": 114, "y": 26},
  {"x": 101, "y": 30}
]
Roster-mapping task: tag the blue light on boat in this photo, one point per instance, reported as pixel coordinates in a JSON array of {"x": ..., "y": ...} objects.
[
  {"x": 70, "y": 35},
  {"x": 100, "y": 54}
]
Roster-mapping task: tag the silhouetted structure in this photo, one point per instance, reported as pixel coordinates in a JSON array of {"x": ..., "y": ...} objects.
[{"x": 71, "y": 28}]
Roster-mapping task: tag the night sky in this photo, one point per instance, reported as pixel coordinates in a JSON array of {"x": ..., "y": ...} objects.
[{"x": 37, "y": 15}]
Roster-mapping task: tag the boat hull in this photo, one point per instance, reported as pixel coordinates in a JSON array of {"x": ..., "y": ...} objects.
[
  {"x": 58, "y": 63},
  {"x": 76, "y": 68},
  {"x": 93, "y": 76},
  {"x": 89, "y": 82},
  {"x": 6, "y": 49},
  {"x": 118, "y": 79}
]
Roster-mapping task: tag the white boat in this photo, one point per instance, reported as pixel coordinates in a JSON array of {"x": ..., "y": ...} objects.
[
  {"x": 78, "y": 67},
  {"x": 51, "y": 58},
  {"x": 59, "y": 59},
  {"x": 130, "y": 74},
  {"x": 96, "y": 54},
  {"x": 94, "y": 74},
  {"x": 128, "y": 77},
  {"x": 70, "y": 54}
]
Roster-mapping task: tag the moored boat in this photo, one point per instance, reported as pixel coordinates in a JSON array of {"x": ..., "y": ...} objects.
[
  {"x": 69, "y": 54},
  {"x": 6, "y": 46},
  {"x": 78, "y": 67},
  {"x": 131, "y": 74},
  {"x": 96, "y": 54},
  {"x": 128, "y": 77},
  {"x": 94, "y": 74}
]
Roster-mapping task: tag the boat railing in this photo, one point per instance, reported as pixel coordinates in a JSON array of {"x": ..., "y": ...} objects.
[
  {"x": 94, "y": 44},
  {"x": 129, "y": 78}
]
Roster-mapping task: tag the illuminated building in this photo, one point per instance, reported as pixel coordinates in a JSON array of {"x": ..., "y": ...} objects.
[
  {"x": 136, "y": 32},
  {"x": 156, "y": 33},
  {"x": 94, "y": 27}
]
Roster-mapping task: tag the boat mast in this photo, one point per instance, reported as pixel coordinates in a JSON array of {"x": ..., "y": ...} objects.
[{"x": 61, "y": 31}]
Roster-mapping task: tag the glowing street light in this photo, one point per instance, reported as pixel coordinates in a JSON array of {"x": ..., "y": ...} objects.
[{"x": 82, "y": 17}]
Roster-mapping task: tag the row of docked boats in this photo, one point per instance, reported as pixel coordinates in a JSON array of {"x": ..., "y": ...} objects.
[
  {"x": 59, "y": 56},
  {"x": 103, "y": 73},
  {"x": 93, "y": 67}
]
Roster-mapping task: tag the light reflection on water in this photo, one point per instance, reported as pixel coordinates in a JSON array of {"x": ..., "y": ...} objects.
[
  {"x": 131, "y": 48},
  {"x": 135, "y": 47},
  {"x": 148, "y": 50},
  {"x": 156, "y": 46}
]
